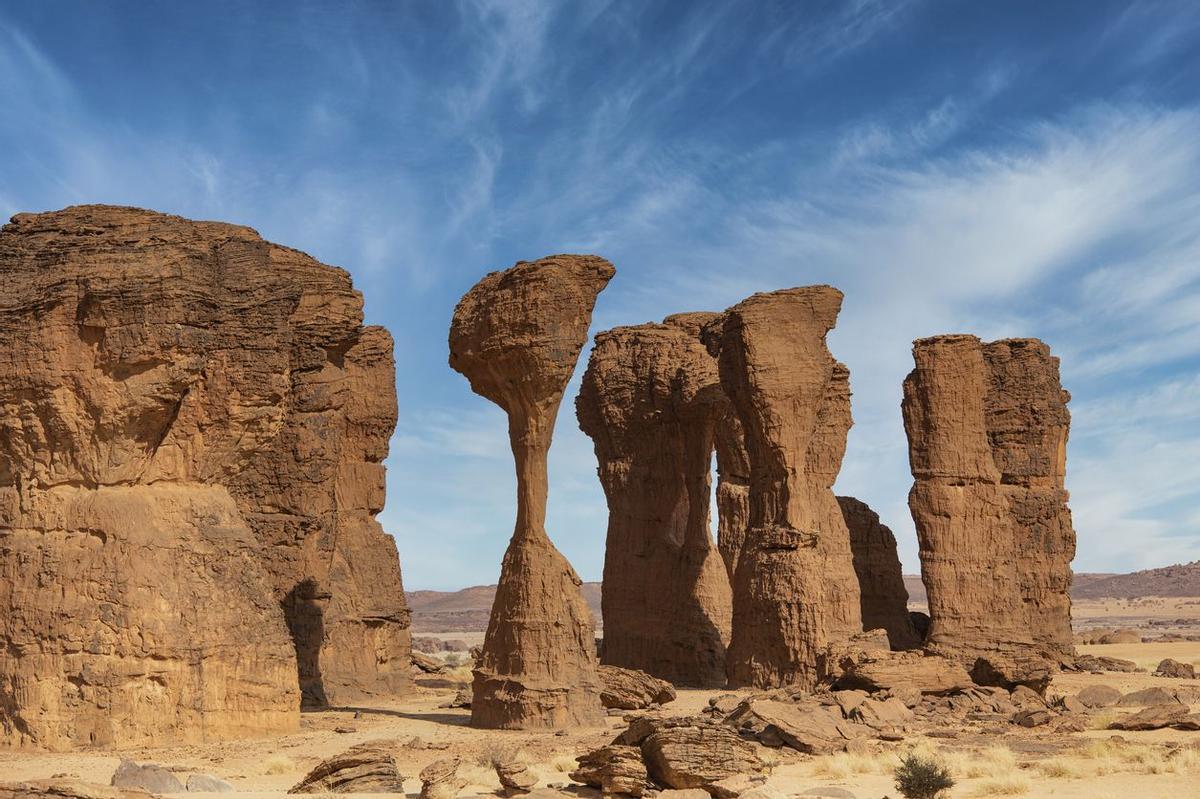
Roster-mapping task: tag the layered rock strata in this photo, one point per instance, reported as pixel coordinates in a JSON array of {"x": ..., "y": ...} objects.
[
  {"x": 194, "y": 422},
  {"x": 651, "y": 401},
  {"x": 987, "y": 427},
  {"x": 794, "y": 590},
  {"x": 883, "y": 597},
  {"x": 516, "y": 336}
]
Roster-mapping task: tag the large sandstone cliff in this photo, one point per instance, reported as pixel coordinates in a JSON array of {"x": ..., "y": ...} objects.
[
  {"x": 987, "y": 427},
  {"x": 193, "y": 423},
  {"x": 651, "y": 401},
  {"x": 516, "y": 336},
  {"x": 794, "y": 590}
]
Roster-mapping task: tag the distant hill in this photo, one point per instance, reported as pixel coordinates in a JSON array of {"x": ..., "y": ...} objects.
[
  {"x": 468, "y": 609},
  {"x": 1182, "y": 579}
]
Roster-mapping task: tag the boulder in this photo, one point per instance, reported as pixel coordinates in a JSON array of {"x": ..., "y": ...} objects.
[
  {"x": 733, "y": 787},
  {"x": 366, "y": 768},
  {"x": 149, "y": 777},
  {"x": 1123, "y": 636},
  {"x": 207, "y": 783},
  {"x": 193, "y": 382},
  {"x": 428, "y": 665},
  {"x": 694, "y": 753},
  {"x": 1149, "y": 696},
  {"x": 516, "y": 336},
  {"x": 613, "y": 769},
  {"x": 987, "y": 428},
  {"x": 883, "y": 597},
  {"x": 651, "y": 400},
  {"x": 1034, "y": 717},
  {"x": 1152, "y": 718},
  {"x": 440, "y": 779},
  {"x": 1103, "y": 663},
  {"x": 1099, "y": 696},
  {"x": 1169, "y": 667},
  {"x": 853, "y": 667},
  {"x": 67, "y": 789},
  {"x": 515, "y": 777},
  {"x": 630, "y": 689},
  {"x": 795, "y": 590},
  {"x": 887, "y": 715},
  {"x": 806, "y": 726}
]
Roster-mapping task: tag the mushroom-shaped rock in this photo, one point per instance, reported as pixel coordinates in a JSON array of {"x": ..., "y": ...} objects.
[
  {"x": 651, "y": 401},
  {"x": 795, "y": 589},
  {"x": 516, "y": 336},
  {"x": 441, "y": 780}
]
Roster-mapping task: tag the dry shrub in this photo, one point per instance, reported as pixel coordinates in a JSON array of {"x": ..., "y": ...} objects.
[
  {"x": 1013, "y": 784},
  {"x": 1113, "y": 757},
  {"x": 922, "y": 778},
  {"x": 843, "y": 765},
  {"x": 278, "y": 764},
  {"x": 564, "y": 763}
]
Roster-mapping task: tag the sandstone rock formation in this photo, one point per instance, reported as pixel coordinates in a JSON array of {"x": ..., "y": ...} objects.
[
  {"x": 795, "y": 589},
  {"x": 614, "y": 769},
  {"x": 733, "y": 490},
  {"x": 67, "y": 789},
  {"x": 441, "y": 780},
  {"x": 884, "y": 599},
  {"x": 987, "y": 428},
  {"x": 194, "y": 422},
  {"x": 368, "y": 767},
  {"x": 630, "y": 689},
  {"x": 516, "y": 336},
  {"x": 651, "y": 400}
]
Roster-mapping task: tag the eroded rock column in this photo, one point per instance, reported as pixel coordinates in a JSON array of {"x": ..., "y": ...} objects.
[
  {"x": 193, "y": 427},
  {"x": 651, "y": 400},
  {"x": 884, "y": 599},
  {"x": 516, "y": 336},
  {"x": 987, "y": 429},
  {"x": 795, "y": 590}
]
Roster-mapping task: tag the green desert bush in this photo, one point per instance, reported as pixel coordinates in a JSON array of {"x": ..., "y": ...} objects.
[{"x": 922, "y": 777}]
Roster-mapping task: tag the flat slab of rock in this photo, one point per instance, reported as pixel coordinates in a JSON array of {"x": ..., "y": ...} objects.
[
  {"x": 1149, "y": 696},
  {"x": 146, "y": 776},
  {"x": 804, "y": 726},
  {"x": 631, "y": 689},
  {"x": 67, "y": 789},
  {"x": 898, "y": 671},
  {"x": 366, "y": 768},
  {"x": 1152, "y": 718}
]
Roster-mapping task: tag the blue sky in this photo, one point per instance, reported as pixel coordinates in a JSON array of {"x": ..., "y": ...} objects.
[{"x": 1004, "y": 168}]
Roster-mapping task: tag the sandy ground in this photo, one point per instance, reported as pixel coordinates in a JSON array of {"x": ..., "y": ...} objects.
[{"x": 1089, "y": 765}]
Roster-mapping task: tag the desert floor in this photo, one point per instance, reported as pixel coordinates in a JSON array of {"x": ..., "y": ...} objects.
[{"x": 1010, "y": 762}]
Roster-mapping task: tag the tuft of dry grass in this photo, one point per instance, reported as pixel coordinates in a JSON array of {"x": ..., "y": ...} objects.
[
  {"x": 844, "y": 765},
  {"x": 564, "y": 763},
  {"x": 1013, "y": 784},
  {"x": 278, "y": 764}
]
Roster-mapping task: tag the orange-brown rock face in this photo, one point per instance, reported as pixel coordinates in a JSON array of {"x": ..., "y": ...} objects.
[
  {"x": 516, "y": 336},
  {"x": 795, "y": 590},
  {"x": 884, "y": 599},
  {"x": 194, "y": 421},
  {"x": 987, "y": 428},
  {"x": 733, "y": 490},
  {"x": 651, "y": 400}
]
